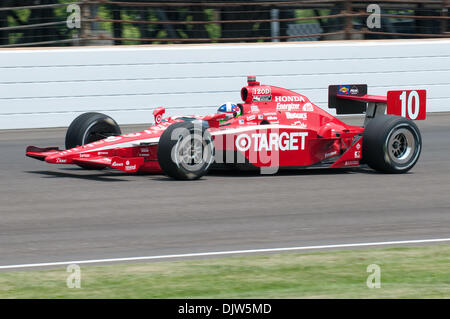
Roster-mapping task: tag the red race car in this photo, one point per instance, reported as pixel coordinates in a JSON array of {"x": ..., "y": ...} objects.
[{"x": 273, "y": 128}]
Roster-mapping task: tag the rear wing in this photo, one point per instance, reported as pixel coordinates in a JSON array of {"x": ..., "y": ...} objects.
[{"x": 353, "y": 99}]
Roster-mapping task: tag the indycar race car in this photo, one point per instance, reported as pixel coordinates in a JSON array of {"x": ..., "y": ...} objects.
[{"x": 272, "y": 128}]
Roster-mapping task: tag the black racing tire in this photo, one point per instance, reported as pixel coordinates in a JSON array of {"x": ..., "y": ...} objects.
[
  {"x": 186, "y": 150},
  {"x": 391, "y": 144},
  {"x": 88, "y": 128}
]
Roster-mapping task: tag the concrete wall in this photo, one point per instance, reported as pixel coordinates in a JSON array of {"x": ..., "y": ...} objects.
[{"x": 50, "y": 87}]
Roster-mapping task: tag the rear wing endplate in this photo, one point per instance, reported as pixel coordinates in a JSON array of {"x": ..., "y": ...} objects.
[{"x": 353, "y": 99}]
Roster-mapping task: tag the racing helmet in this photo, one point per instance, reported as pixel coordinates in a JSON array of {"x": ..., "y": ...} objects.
[{"x": 231, "y": 110}]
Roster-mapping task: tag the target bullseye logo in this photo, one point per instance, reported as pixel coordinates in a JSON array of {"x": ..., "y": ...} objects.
[
  {"x": 158, "y": 118},
  {"x": 243, "y": 142}
]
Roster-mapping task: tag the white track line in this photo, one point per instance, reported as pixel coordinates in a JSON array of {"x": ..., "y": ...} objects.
[{"x": 230, "y": 252}]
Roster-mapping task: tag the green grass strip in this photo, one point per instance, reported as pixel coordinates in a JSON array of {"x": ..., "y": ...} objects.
[{"x": 408, "y": 272}]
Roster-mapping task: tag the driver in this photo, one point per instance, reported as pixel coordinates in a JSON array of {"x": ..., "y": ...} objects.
[{"x": 231, "y": 110}]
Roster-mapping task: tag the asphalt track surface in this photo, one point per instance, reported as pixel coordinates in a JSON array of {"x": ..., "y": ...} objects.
[{"x": 58, "y": 213}]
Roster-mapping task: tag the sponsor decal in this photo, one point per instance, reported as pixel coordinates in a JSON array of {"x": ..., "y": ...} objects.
[
  {"x": 270, "y": 113},
  {"x": 262, "y": 93},
  {"x": 158, "y": 118},
  {"x": 289, "y": 98},
  {"x": 102, "y": 153},
  {"x": 262, "y": 98},
  {"x": 331, "y": 154},
  {"x": 272, "y": 118},
  {"x": 351, "y": 163},
  {"x": 260, "y": 116},
  {"x": 271, "y": 141},
  {"x": 85, "y": 155},
  {"x": 129, "y": 167},
  {"x": 262, "y": 90},
  {"x": 308, "y": 107},
  {"x": 115, "y": 164},
  {"x": 289, "y": 107},
  {"x": 241, "y": 121},
  {"x": 254, "y": 108},
  {"x": 296, "y": 116},
  {"x": 358, "y": 146},
  {"x": 344, "y": 89},
  {"x": 300, "y": 124},
  {"x": 357, "y": 154},
  {"x": 144, "y": 150},
  {"x": 251, "y": 117},
  {"x": 61, "y": 160},
  {"x": 354, "y": 90}
]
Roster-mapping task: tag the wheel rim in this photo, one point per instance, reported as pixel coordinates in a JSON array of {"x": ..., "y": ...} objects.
[
  {"x": 402, "y": 146},
  {"x": 193, "y": 151}
]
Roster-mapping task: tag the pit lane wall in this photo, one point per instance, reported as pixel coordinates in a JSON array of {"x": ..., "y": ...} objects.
[{"x": 50, "y": 87}]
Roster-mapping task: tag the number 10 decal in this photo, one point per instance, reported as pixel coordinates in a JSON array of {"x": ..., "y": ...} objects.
[{"x": 408, "y": 103}]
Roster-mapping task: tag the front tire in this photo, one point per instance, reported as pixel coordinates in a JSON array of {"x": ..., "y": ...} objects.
[
  {"x": 88, "y": 128},
  {"x": 391, "y": 144},
  {"x": 186, "y": 150}
]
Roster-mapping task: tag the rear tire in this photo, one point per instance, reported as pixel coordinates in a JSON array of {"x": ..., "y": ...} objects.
[
  {"x": 185, "y": 151},
  {"x": 88, "y": 128},
  {"x": 391, "y": 144}
]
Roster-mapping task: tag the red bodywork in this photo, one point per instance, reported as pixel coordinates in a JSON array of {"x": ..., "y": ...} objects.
[{"x": 277, "y": 128}]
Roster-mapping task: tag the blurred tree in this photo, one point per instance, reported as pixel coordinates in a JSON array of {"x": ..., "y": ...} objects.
[{"x": 9, "y": 18}]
